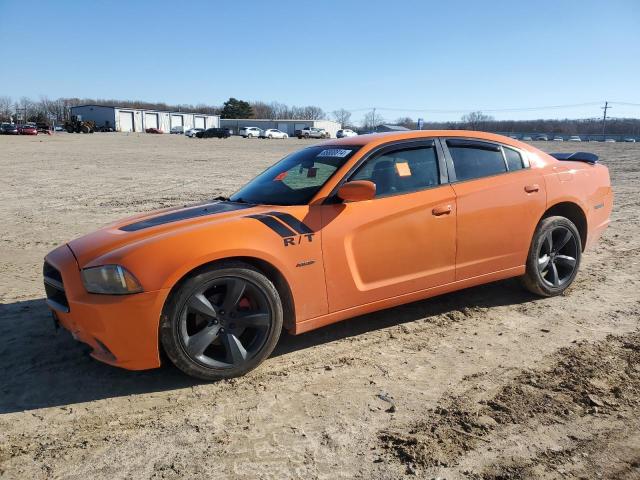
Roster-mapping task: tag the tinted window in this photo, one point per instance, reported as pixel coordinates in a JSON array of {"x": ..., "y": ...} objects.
[
  {"x": 475, "y": 159},
  {"x": 295, "y": 179},
  {"x": 401, "y": 171},
  {"x": 514, "y": 159}
]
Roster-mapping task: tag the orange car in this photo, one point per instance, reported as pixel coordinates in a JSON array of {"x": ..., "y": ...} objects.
[{"x": 332, "y": 231}]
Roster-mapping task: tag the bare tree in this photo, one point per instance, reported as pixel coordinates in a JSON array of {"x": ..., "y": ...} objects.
[
  {"x": 311, "y": 112},
  {"x": 476, "y": 120},
  {"x": 342, "y": 116},
  {"x": 406, "y": 122},
  {"x": 280, "y": 111},
  {"x": 24, "y": 109},
  {"x": 6, "y": 109},
  {"x": 262, "y": 110},
  {"x": 372, "y": 120}
]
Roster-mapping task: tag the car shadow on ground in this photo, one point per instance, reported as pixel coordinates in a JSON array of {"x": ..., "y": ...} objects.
[{"x": 41, "y": 368}]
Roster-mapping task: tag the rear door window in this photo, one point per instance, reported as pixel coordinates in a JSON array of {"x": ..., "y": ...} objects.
[
  {"x": 476, "y": 159},
  {"x": 514, "y": 159}
]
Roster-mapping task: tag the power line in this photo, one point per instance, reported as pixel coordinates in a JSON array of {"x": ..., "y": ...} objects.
[{"x": 489, "y": 110}]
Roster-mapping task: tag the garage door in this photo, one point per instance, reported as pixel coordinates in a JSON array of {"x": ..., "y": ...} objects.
[
  {"x": 176, "y": 121},
  {"x": 150, "y": 120},
  {"x": 199, "y": 122},
  {"x": 126, "y": 121},
  {"x": 284, "y": 127}
]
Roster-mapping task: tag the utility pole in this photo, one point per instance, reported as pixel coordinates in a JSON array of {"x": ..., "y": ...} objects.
[{"x": 604, "y": 118}]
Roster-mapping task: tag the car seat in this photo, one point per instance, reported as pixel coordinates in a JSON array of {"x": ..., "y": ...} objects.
[{"x": 383, "y": 176}]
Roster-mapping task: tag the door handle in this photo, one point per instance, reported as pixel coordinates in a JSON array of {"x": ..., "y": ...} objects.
[
  {"x": 531, "y": 188},
  {"x": 442, "y": 210}
]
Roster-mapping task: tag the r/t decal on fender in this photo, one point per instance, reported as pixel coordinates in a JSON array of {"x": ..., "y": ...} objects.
[{"x": 292, "y": 230}]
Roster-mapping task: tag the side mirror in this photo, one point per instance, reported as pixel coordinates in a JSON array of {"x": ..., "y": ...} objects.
[{"x": 357, "y": 190}]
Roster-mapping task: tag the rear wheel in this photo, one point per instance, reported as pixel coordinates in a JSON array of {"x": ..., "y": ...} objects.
[
  {"x": 222, "y": 322},
  {"x": 554, "y": 257}
]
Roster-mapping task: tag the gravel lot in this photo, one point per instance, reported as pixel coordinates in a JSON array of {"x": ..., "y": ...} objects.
[{"x": 487, "y": 383}]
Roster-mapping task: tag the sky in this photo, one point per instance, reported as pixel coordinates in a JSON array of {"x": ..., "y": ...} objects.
[{"x": 423, "y": 59}]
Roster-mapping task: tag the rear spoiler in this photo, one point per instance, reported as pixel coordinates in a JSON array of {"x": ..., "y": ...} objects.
[{"x": 577, "y": 157}]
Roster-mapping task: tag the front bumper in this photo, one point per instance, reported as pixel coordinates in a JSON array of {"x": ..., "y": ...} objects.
[{"x": 122, "y": 330}]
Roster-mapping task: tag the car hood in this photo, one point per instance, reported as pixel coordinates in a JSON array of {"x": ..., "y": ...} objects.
[{"x": 142, "y": 227}]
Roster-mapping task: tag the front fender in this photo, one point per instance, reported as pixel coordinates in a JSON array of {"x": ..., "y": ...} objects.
[{"x": 159, "y": 262}]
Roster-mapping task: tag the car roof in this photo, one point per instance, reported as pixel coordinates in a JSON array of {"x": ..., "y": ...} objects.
[{"x": 373, "y": 139}]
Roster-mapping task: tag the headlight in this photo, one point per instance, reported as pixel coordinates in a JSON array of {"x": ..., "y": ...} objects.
[{"x": 110, "y": 280}]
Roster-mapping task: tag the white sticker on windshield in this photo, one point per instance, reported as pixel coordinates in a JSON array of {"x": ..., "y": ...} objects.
[{"x": 334, "y": 152}]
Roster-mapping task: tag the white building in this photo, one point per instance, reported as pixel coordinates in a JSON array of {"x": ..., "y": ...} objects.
[
  {"x": 124, "y": 119},
  {"x": 287, "y": 126}
]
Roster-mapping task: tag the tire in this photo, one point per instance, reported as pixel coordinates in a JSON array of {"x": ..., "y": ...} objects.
[
  {"x": 554, "y": 257},
  {"x": 207, "y": 342},
  {"x": 306, "y": 135},
  {"x": 250, "y": 135},
  {"x": 270, "y": 137}
]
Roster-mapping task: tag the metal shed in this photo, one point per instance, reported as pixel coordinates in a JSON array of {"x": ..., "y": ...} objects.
[{"x": 124, "y": 119}]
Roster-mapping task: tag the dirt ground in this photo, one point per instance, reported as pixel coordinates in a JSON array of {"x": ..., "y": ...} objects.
[{"x": 486, "y": 383}]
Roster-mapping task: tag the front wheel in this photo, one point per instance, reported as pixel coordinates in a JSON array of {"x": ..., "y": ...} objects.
[
  {"x": 554, "y": 257},
  {"x": 222, "y": 322}
]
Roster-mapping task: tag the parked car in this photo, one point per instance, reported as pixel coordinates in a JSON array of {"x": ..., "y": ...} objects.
[
  {"x": 59, "y": 128},
  {"x": 630, "y": 140},
  {"x": 610, "y": 140},
  {"x": 153, "y": 130},
  {"x": 43, "y": 127},
  {"x": 542, "y": 138},
  {"x": 575, "y": 138},
  {"x": 9, "y": 129},
  {"x": 250, "y": 132},
  {"x": 191, "y": 133},
  {"x": 210, "y": 287},
  {"x": 558, "y": 138},
  {"x": 28, "y": 130},
  {"x": 214, "y": 133},
  {"x": 345, "y": 132},
  {"x": 313, "y": 132},
  {"x": 273, "y": 133},
  {"x": 177, "y": 130},
  {"x": 527, "y": 138}
]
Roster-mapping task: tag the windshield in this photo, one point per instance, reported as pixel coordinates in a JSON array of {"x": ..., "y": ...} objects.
[{"x": 295, "y": 179}]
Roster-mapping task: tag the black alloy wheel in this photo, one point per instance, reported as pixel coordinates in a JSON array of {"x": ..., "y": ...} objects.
[
  {"x": 557, "y": 256},
  {"x": 225, "y": 322},
  {"x": 554, "y": 257},
  {"x": 222, "y": 322}
]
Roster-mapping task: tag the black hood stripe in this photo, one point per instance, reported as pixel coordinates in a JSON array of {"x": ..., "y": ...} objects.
[
  {"x": 199, "y": 211},
  {"x": 274, "y": 225},
  {"x": 292, "y": 222}
]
